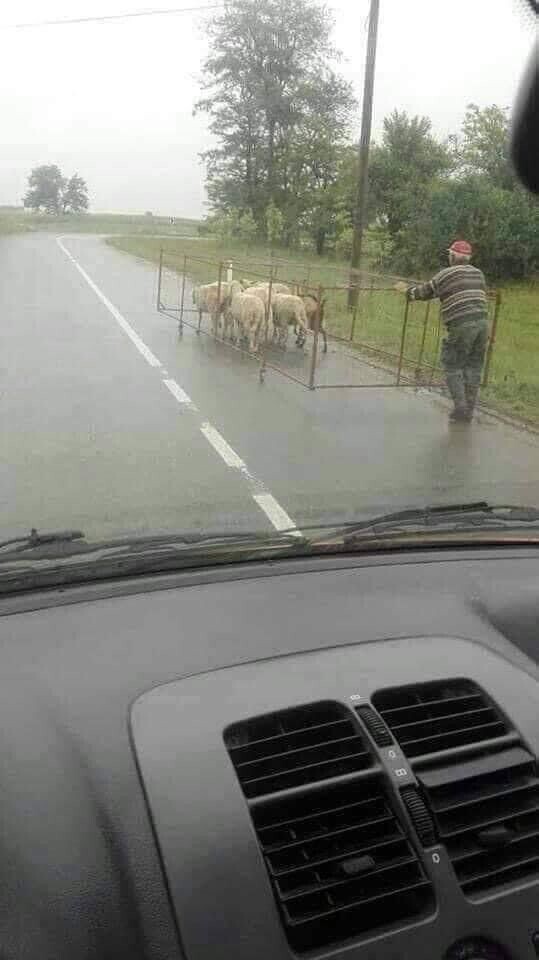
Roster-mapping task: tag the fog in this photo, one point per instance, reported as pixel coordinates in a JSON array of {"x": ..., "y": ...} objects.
[{"x": 113, "y": 101}]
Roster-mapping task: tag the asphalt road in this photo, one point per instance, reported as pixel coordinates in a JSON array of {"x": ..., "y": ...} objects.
[{"x": 112, "y": 424}]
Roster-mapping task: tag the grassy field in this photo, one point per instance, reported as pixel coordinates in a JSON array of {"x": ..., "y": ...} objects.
[
  {"x": 514, "y": 372},
  {"x": 16, "y": 220}
]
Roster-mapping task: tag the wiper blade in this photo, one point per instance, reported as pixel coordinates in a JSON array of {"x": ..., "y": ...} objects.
[
  {"x": 453, "y": 517},
  {"x": 35, "y": 539}
]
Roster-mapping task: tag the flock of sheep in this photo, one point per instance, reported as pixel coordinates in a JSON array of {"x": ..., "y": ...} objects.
[{"x": 249, "y": 313}]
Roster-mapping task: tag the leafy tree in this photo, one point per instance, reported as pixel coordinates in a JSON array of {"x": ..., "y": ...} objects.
[
  {"x": 49, "y": 190},
  {"x": 502, "y": 225},
  {"x": 74, "y": 195},
  {"x": 247, "y": 227},
  {"x": 45, "y": 187},
  {"x": 403, "y": 167},
  {"x": 277, "y": 109},
  {"x": 483, "y": 146},
  {"x": 274, "y": 224}
]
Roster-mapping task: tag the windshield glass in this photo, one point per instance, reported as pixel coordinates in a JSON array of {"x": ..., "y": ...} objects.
[{"x": 266, "y": 267}]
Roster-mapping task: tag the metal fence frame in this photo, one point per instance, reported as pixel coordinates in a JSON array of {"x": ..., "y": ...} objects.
[{"x": 406, "y": 370}]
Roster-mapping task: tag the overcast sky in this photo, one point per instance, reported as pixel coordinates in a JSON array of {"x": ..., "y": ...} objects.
[{"x": 114, "y": 101}]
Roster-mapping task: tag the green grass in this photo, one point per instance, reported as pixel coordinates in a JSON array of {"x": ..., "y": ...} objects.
[
  {"x": 16, "y": 220},
  {"x": 514, "y": 373}
]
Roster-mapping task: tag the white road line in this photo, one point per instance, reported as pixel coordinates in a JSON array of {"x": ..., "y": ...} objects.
[
  {"x": 126, "y": 327},
  {"x": 222, "y": 447},
  {"x": 267, "y": 503},
  {"x": 180, "y": 395},
  {"x": 275, "y": 513}
]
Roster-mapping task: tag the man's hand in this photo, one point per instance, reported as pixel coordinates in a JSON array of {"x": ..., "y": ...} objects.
[{"x": 401, "y": 287}]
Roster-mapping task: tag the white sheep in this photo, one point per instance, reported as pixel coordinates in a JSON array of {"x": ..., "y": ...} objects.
[
  {"x": 245, "y": 311},
  {"x": 289, "y": 311},
  {"x": 206, "y": 299}
]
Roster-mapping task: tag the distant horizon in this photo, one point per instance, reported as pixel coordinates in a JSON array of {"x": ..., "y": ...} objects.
[{"x": 104, "y": 213}]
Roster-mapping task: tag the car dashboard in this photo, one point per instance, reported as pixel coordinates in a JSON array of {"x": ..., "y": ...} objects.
[{"x": 323, "y": 758}]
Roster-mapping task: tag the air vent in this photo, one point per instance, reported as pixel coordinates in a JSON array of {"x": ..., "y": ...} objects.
[
  {"x": 294, "y": 747},
  {"x": 438, "y": 716},
  {"x": 339, "y": 862},
  {"x": 487, "y": 814}
]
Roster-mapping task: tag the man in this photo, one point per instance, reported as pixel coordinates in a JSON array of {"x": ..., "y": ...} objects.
[{"x": 462, "y": 291}]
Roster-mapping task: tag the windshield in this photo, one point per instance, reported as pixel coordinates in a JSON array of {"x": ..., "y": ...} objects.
[{"x": 265, "y": 266}]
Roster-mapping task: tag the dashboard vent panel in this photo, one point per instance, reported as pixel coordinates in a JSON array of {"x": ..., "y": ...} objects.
[
  {"x": 430, "y": 717},
  {"x": 487, "y": 814},
  {"x": 339, "y": 862},
  {"x": 302, "y": 745}
]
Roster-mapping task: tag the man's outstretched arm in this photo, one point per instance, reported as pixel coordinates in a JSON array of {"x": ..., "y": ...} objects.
[{"x": 423, "y": 291}]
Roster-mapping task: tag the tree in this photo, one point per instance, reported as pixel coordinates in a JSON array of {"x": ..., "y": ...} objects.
[
  {"x": 274, "y": 224},
  {"x": 276, "y": 107},
  {"x": 502, "y": 225},
  {"x": 483, "y": 146},
  {"x": 403, "y": 167},
  {"x": 74, "y": 196},
  {"x": 45, "y": 187},
  {"x": 49, "y": 190}
]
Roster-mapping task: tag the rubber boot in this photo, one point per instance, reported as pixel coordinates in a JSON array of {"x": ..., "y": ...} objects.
[
  {"x": 471, "y": 388},
  {"x": 455, "y": 385}
]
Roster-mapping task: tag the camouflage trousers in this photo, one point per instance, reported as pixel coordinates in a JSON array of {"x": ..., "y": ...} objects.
[{"x": 463, "y": 354}]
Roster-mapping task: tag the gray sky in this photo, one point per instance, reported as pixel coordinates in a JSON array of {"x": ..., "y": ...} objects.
[{"x": 113, "y": 101}]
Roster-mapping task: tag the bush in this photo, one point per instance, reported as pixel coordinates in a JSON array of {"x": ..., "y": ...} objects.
[{"x": 502, "y": 226}]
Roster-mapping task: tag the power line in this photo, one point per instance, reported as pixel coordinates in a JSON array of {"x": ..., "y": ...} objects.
[{"x": 114, "y": 16}]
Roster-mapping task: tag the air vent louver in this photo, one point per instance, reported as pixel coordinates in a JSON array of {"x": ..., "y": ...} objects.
[
  {"x": 430, "y": 717},
  {"x": 339, "y": 862},
  {"x": 487, "y": 814},
  {"x": 294, "y": 747}
]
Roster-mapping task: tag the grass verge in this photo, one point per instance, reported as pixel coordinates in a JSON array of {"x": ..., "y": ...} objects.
[{"x": 17, "y": 220}]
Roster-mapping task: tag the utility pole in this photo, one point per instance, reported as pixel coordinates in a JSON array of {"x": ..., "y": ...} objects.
[{"x": 360, "y": 216}]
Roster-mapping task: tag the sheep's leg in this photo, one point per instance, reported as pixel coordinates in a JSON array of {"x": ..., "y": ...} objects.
[{"x": 301, "y": 333}]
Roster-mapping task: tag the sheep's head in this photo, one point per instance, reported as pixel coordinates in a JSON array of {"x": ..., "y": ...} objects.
[
  {"x": 246, "y": 283},
  {"x": 235, "y": 288}
]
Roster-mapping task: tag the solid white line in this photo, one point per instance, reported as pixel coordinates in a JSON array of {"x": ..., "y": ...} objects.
[
  {"x": 180, "y": 395},
  {"x": 275, "y": 513},
  {"x": 221, "y": 446},
  {"x": 126, "y": 327}
]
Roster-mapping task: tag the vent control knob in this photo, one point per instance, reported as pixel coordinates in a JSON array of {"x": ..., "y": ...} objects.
[
  {"x": 376, "y": 726},
  {"x": 419, "y": 815}
]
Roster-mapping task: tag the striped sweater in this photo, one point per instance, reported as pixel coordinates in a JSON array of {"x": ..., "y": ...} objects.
[{"x": 462, "y": 292}]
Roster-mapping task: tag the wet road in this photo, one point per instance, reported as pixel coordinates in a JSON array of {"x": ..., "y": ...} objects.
[{"x": 112, "y": 424}]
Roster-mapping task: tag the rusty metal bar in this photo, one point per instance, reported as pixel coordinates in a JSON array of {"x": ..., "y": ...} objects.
[
  {"x": 159, "y": 279},
  {"x": 182, "y": 297},
  {"x": 403, "y": 338},
  {"x": 423, "y": 338},
  {"x": 492, "y": 338},
  {"x": 314, "y": 353},
  {"x": 363, "y": 386},
  {"x": 354, "y": 318},
  {"x": 436, "y": 348},
  {"x": 267, "y": 312},
  {"x": 215, "y": 319}
]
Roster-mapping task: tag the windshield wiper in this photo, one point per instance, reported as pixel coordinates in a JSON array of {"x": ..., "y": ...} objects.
[
  {"x": 479, "y": 516},
  {"x": 35, "y": 539}
]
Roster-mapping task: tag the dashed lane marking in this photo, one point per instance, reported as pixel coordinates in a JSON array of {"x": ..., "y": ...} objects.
[
  {"x": 277, "y": 516},
  {"x": 275, "y": 513},
  {"x": 126, "y": 327},
  {"x": 219, "y": 444},
  {"x": 180, "y": 395}
]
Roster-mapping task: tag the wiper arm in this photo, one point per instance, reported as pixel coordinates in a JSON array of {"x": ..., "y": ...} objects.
[
  {"x": 453, "y": 517},
  {"x": 35, "y": 539}
]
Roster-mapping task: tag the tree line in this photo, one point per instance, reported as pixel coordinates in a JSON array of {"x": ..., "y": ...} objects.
[
  {"x": 284, "y": 167},
  {"x": 51, "y": 192}
]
